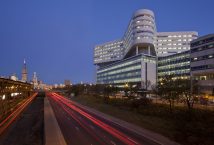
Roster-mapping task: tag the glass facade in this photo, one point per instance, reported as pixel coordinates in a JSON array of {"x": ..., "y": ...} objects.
[
  {"x": 125, "y": 71},
  {"x": 177, "y": 64}
]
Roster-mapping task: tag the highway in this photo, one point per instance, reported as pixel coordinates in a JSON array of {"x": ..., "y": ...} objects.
[
  {"x": 80, "y": 127},
  {"x": 4, "y": 124}
]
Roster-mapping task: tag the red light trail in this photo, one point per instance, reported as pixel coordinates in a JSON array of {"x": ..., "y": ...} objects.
[
  {"x": 9, "y": 120},
  {"x": 114, "y": 132}
]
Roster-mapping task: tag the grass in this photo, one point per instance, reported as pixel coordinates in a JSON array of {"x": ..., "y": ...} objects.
[{"x": 188, "y": 128}]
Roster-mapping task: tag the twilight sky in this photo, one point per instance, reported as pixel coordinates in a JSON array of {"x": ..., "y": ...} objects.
[{"x": 56, "y": 37}]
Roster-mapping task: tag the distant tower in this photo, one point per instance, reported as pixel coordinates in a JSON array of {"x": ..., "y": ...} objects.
[
  {"x": 35, "y": 80},
  {"x": 24, "y": 72}
]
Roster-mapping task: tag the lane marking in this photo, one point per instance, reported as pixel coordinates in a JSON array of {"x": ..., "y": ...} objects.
[
  {"x": 132, "y": 140},
  {"x": 113, "y": 142},
  {"x": 77, "y": 128}
]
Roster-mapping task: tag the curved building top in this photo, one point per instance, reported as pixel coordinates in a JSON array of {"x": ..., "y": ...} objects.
[
  {"x": 143, "y": 11},
  {"x": 140, "y": 35}
]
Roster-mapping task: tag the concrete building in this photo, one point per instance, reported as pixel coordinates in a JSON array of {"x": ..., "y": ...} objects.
[
  {"x": 202, "y": 63},
  {"x": 132, "y": 59},
  {"x": 24, "y": 72},
  {"x": 35, "y": 80},
  {"x": 67, "y": 83},
  {"x": 14, "y": 77},
  {"x": 108, "y": 52},
  {"x": 169, "y": 43}
]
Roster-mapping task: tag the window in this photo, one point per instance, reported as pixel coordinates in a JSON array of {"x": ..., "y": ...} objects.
[
  {"x": 210, "y": 56},
  {"x": 211, "y": 45}
]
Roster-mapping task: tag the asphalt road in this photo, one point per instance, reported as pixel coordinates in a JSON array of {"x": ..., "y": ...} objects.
[
  {"x": 28, "y": 129},
  {"x": 81, "y": 127}
]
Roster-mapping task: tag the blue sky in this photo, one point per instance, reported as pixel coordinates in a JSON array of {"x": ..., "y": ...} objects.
[{"x": 56, "y": 37}]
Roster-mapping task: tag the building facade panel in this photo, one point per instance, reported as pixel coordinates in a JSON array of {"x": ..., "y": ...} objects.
[
  {"x": 108, "y": 52},
  {"x": 169, "y": 43},
  {"x": 131, "y": 71},
  {"x": 202, "y": 63},
  {"x": 176, "y": 64}
]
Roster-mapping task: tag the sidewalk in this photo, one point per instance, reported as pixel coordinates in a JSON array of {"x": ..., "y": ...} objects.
[
  {"x": 155, "y": 137},
  {"x": 53, "y": 134}
]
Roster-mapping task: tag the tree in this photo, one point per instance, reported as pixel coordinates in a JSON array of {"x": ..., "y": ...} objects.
[
  {"x": 109, "y": 90},
  {"x": 184, "y": 88},
  {"x": 167, "y": 89}
]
